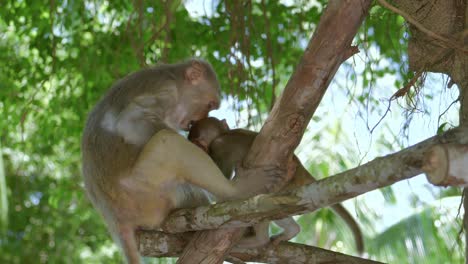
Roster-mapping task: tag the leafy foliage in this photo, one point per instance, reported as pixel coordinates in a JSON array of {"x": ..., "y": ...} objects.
[{"x": 425, "y": 235}]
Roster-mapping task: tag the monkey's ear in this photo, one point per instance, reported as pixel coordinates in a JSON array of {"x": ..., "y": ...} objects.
[
  {"x": 225, "y": 124},
  {"x": 194, "y": 73}
]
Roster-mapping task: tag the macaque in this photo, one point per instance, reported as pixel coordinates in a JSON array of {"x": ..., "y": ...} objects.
[
  {"x": 136, "y": 167},
  {"x": 228, "y": 148}
]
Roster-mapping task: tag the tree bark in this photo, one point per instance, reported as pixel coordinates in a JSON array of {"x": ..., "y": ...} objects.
[
  {"x": 158, "y": 244},
  {"x": 290, "y": 115}
]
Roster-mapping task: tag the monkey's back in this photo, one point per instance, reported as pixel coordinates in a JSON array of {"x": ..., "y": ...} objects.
[
  {"x": 230, "y": 148},
  {"x": 236, "y": 141},
  {"x": 106, "y": 156}
]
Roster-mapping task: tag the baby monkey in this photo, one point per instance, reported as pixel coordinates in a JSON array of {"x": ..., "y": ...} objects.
[{"x": 228, "y": 148}]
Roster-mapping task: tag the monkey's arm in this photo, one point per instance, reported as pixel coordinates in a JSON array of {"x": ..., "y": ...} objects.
[
  {"x": 185, "y": 163},
  {"x": 228, "y": 151}
]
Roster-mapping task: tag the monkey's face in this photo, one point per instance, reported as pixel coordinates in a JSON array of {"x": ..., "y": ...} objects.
[
  {"x": 197, "y": 96},
  {"x": 203, "y": 132},
  {"x": 195, "y": 102}
]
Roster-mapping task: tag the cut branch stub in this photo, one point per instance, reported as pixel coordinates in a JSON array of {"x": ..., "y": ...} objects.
[{"x": 447, "y": 165}]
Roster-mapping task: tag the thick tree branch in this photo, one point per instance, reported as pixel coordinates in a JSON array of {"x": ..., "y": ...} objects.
[
  {"x": 289, "y": 117},
  {"x": 375, "y": 174},
  {"x": 158, "y": 244},
  {"x": 380, "y": 172}
]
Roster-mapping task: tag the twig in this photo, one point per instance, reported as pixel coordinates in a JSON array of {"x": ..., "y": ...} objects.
[{"x": 405, "y": 89}]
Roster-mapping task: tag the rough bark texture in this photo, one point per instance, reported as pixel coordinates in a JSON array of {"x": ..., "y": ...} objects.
[
  {"x": 290, "y": 115},
  {"x": 447, "y": 165},
  {"x": 444, "y": 18},
  {"x": 158, "y": 244}
]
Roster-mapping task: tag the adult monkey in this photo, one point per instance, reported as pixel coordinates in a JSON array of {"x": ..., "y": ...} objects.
[
  {"x": 137, "y": 168},
  {"x": 228, "y": 148}
]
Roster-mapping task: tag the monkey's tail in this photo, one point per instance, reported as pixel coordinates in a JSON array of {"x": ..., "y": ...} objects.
[
  {"x": 123, "y": 235},
  {"x": 129, "y": 244},
  {"x": 353, "y": 225}
]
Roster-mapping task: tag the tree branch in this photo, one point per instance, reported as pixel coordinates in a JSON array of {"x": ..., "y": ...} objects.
[
  {"x": 158, "y": 244},
  {"x": 372, "y": 175},
  {"x": 380, "y": 172},
  {"x": 375, "y": 174}
]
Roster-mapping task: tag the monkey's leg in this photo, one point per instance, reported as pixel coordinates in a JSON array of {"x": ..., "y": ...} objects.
[
  {"x": 290, "y": 230},
  {"x": 188, "y": 196},
  {"x": 260, "y": 237},
  {"x": 168, "y": 159}
]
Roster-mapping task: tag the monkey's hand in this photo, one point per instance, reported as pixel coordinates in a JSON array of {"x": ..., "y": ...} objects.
[{"x": 265, "y": 179}]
